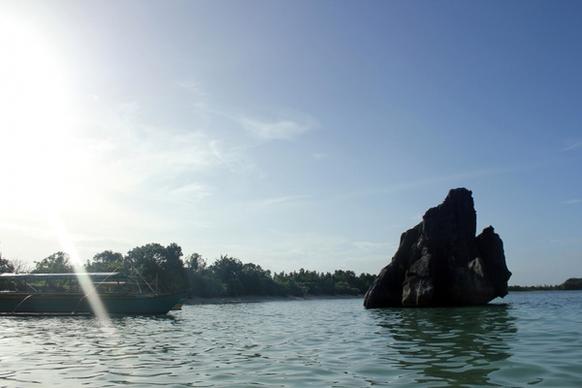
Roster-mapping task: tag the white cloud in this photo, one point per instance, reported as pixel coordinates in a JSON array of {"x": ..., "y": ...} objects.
[
  {"x": 115, "y": 178},
  {"x": 127, "y": 176},
  {"x": 319, "y": 155},
  {"x": 287, "y": 199},
  {"x": 573, "y": 146},
  {"x": 189, "y": 192},
  {"x": 197, "y": 93},
  {"x": 234, "y": 159},
  {"x": 283, "y": 128},
  {"x": 277, "y": 129},
  {"x": 131, "y": 152},
  {"x": 572, "y": 201}
]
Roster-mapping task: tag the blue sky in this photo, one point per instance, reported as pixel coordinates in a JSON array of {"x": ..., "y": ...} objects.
[{"x": 297, "y": 134}]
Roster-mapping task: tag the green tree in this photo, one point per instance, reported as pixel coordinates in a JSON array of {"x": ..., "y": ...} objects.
[
  {"x": 240, "y": 279},
  {"x": 5, "y": 265},
  {"x": 56, "y": 263},
  {"x": 107, "y": 261},
  {"x": 228, "y": 271},
  {"x": 20, "y": 266},
  {"x": 159, "y": 265},
  {"x": 195, "y": 263},
  {"x": 364, "y": 282}
]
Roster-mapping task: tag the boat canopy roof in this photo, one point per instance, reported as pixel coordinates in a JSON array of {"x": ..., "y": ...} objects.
[{"x": 40, "y": 276}]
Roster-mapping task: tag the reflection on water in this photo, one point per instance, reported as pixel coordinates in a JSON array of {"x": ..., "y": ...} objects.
[{"x": 452, "y": 345}]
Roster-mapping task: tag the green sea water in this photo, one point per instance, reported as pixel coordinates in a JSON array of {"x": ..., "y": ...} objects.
[{"x": 534, "y": 338}]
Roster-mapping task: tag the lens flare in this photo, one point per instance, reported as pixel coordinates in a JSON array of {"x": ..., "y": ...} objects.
[
  {"x": 37, "y": 156},
  {"x": 84, "y": 280}
]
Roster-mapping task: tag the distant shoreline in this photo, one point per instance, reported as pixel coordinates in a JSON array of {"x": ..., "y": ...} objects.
[
  {"x": 571, "y": 284},
  {"x": 525, "y": 289},
  {"x": 260, "y": 299}
]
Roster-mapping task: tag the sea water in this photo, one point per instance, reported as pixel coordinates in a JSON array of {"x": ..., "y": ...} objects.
[{"x": 527, "y": 338}]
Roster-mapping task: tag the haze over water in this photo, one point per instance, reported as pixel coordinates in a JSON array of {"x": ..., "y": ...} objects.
[{"x": 534, "y": 338}]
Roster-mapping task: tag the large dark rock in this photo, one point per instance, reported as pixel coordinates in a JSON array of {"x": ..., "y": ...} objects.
[
  {"x": 572, "y": 284},
  {"x": 440, "y": 262}
]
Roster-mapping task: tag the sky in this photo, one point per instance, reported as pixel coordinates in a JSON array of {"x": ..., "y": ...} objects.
[{"x": 290, "y": 134}]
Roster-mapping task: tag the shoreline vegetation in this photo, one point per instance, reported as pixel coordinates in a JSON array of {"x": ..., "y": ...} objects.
[
  {"x": 569, "y": 285},
  {"x": 226, "y": 280}
]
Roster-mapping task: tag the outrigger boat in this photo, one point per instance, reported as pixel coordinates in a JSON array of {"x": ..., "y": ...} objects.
[{"x": 61, "y": 293}]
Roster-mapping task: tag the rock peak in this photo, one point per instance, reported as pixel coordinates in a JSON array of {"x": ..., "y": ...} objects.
[
  {"x": 459, "y": 194},
  {"x": 441, "y": 262}
]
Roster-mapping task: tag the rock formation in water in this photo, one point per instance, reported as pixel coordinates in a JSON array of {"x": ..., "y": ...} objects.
[
  {"x": 572, "y": 284},
  {"x": 440, "y": 262}
]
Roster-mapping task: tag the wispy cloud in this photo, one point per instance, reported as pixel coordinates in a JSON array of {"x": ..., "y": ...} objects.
[
  {"x": 285, "y": 129},
  {"x": 134, "y": 174},
  {"x": 235, "y": 158},
  {"x": 573, "y": 146},
  {"x": 282, "y": 127},
  {"x": 573, "y": 201},
  {"x": 287, "y": 199},
  {"x": 136, "y": 152},
  {"x": 191, "y": 192},
  {"x": 319, "y": 155},
  {"x": 197, "y": 93},
  {"x": 193, "y": 87}
]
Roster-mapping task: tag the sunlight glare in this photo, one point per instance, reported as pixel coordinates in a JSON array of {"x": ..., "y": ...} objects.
[
  {"x": 84, "y": 281},
  {"x": 35, "y": 111},
  {"x": 36, "y": 148}
]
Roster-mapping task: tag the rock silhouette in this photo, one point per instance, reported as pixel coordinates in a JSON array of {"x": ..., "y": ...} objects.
[{"x": 440, "y": 262}]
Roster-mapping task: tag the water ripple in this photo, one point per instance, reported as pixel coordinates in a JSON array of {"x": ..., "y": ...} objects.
[{"x": 533, "y": 339}]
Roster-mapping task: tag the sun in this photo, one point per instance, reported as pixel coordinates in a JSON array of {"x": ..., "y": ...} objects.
[
  {"x": 35, "y": 114},
  {"x": 36, "y": 134}
]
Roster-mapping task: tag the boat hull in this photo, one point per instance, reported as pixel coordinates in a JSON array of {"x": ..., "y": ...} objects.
[{"x": 68, "y": 303}]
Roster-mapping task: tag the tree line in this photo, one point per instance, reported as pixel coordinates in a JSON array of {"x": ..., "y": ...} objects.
[
  {"x": 568, "y": 285},
  {"x": 169, "y": 270}
]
